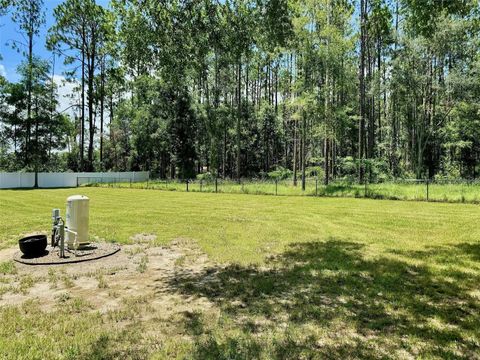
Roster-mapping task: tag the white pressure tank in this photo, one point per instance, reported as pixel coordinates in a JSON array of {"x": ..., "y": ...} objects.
[{"x": 77, "y": 220}]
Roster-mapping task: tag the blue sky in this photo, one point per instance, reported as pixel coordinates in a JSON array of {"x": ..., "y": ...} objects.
[
  {"x": 11, "y": 58},
  {"x": 9, "y": 31}
]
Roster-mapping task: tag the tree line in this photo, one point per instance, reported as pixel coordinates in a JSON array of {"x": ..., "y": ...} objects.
[{"x": 339, "y": 89}]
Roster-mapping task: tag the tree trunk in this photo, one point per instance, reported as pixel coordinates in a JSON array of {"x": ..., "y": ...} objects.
[
  {"x": 28, "y": 148},
  {"x": 361, "y": 73},
  {"x": 102, "y": 99},
  {"x": 90, "y": 96},
  {"x": 29, "y": 98},
  {"x": 82, "y": 120},
  {"x": 303, "y": 146},
  {"x": 327, "y": 160},
  {"x": 239, "y": 114},
  {"x": 295, "y": 153}
]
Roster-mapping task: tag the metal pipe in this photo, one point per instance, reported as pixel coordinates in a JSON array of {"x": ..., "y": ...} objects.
[{"x": 75, "y": 241}]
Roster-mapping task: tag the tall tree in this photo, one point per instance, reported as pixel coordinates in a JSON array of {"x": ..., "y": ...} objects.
[
  {"x": 81, "y": 28},
  {"x": 30, "y": 16},
  {"x": 51, "y": 128}
]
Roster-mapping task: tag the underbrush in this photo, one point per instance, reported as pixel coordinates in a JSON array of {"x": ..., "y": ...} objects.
[{"x": 417, "y": 191}]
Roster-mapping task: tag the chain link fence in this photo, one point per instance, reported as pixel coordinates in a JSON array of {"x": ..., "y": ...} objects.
[{"x": 467, "y": 191}]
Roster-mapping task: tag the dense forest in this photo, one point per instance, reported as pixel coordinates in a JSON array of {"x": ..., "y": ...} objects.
[{"x": 338, "y": 89}]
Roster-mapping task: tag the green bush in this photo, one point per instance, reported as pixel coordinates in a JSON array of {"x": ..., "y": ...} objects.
[
  {"x": 315, "y": 171},
  {"x": 280, "y": 173},
  {"x": 208, "y": 176}
]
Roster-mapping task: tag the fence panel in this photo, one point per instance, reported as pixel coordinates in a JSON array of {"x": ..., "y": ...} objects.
[
  {"x": 17, "y": 180},
  {"x": 64, "y": 180}
]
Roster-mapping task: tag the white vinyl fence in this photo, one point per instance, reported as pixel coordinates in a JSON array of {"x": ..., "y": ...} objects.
[{"x": 59, "y": 180}]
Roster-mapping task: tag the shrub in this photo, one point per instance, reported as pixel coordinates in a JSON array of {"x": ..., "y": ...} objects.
[
  {"x": 208, "y": 176},
  {"x": 280, "y": 173}
]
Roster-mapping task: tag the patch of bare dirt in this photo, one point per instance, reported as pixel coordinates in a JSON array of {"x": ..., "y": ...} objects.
[{"x": 138, "y": 273}]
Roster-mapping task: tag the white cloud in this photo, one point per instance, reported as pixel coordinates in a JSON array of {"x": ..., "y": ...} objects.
[
  {"x": 3, "y": 72},
  {"x": 67, "y": 96}
]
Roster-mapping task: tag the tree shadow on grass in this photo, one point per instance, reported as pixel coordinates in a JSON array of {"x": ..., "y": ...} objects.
[
  {"x": 389, "y": 304},
  {"x": 112, "y": 345},
  {"x": 470, "y": 250},
  {"x": 457, "y": 261}
]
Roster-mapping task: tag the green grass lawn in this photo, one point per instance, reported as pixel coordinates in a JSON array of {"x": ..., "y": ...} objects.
[{"x": 296, "y": 277}]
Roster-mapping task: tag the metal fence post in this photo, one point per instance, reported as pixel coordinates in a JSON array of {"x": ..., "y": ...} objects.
[
  {"x": 201, "y": 185},
  {"x": 316, "y": 186},
  {"x": 187, "y": 185},
  {"x": 428, "y": 190},
  {"x": 276, "y": 187},
  {"x": 216, "y": 184}
]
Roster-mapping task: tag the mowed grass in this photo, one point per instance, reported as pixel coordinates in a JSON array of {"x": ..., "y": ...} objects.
[
  {"x": 244, "y": 229},
  {"x": 294, "y": 278}
]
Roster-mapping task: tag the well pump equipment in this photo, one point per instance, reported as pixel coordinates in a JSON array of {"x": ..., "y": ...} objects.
[{"x": 73, "y": 230}]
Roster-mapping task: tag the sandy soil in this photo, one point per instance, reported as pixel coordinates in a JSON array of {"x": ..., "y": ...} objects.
[{"x": 139, "y": 270}]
